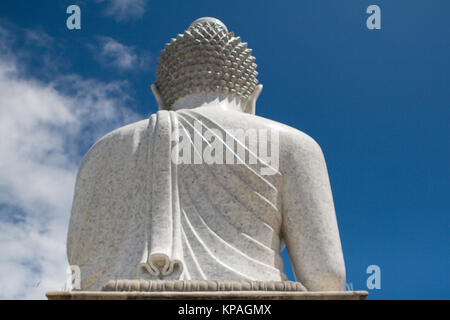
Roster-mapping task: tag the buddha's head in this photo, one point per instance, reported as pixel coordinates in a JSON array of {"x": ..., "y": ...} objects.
[{"x": 206, "y": 62}]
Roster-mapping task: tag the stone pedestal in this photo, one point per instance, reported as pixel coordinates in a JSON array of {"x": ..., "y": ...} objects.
[{"x": 208, "y": 295}]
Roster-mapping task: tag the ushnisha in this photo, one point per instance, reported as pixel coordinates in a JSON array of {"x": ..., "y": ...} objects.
[{"x": 140, "y": 217}]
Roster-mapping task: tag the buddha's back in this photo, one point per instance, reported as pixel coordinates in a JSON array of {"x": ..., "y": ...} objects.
[{"x": 204, "y": 189}]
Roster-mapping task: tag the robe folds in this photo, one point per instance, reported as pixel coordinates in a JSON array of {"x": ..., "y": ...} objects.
[{"x": 140, "y": 213}]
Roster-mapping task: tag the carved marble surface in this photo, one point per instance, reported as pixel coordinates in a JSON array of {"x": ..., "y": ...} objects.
[
  {"x": 140, "y": 213},
  {"x": 200, "y": 285}
]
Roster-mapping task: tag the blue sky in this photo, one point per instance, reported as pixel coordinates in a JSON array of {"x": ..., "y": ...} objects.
[{"x": 377, "y": 101}]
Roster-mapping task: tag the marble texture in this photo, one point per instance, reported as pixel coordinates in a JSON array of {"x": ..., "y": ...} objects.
[
  {"x": 201, "y": 285},
  {"x": 142, "y": 212}
]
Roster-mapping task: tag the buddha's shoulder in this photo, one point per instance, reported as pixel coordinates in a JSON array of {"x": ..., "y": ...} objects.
[
  {"x": 294, "y": 137},
  {"x": 288, "y": 135},
  {"x": 120, "y": 140},
  {"x": 126, "y": 131},
  {"x": 291, "y": 140}
]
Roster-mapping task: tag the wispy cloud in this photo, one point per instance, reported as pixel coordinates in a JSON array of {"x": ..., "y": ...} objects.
[
  {"x": 122, "y": 57},
  {"x": 45, "y": 127},
  {"x": 122, "y": 10},
  {"x": 31, "y": 48},
  {"x": 38, "y": 38}
]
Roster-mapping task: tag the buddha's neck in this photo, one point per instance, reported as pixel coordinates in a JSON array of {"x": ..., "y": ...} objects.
[{"x": 197, "y": 100}]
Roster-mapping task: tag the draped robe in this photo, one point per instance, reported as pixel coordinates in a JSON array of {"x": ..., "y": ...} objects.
[{"x": 138, "y": 214}]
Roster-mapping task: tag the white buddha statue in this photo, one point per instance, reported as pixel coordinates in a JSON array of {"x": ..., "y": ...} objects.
[{"x": 204, "y": 189}]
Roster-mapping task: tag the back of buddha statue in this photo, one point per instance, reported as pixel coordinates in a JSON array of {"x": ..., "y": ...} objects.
[{"x": 204, "y": 189}]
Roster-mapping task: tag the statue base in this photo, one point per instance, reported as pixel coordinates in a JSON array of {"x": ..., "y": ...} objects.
[{"x": 208, "y": 295}]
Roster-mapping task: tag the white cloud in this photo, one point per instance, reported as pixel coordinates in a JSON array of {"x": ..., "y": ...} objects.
[
  {"x": 120, "y": 56},
  {"x": 38, "y": 37},
  {"x": 122, "y": 10},
  {"x": 45, "y": 127},
  {"x": 26, "y": 44}
]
